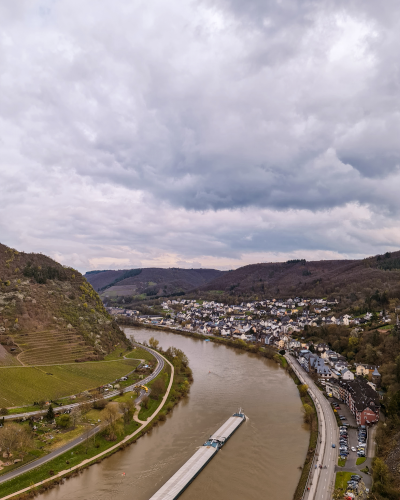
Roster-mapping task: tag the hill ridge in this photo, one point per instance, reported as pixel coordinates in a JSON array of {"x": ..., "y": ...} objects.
[
  {"x": 311, "y": 278},
  {"x": 49, "y": 312},
  {"x": 150, "y": 281}
]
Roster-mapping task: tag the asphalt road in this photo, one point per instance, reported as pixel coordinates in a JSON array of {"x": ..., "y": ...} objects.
[
  {"x": 78, "y": 440},
  {"x": 321, "y": 481}
]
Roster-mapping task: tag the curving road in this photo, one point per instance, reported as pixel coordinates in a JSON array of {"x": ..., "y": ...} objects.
[
  {"x": 320, "y": 481},
  {"x": 78, "y": 440}
]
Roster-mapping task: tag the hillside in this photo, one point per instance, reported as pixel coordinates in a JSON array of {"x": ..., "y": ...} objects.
[
  {"x": 150, "y": 281},
  {"x": 50, "y": 314},
  {"x": 339, "y": 278}
]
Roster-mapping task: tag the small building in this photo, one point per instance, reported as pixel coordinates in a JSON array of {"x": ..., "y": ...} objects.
[
  {"x": 347, "y": 374},
  {"x": 376, "y": 377},
  {"x": 364, "y": 369}
]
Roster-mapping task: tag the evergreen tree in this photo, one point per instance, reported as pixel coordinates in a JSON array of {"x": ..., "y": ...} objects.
[{"x": 50, "y": 414}]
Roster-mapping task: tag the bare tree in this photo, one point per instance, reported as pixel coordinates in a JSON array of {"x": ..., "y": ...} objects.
[
  {"x": 76, "y": 416},
  {"x": 303, "y": 389},
  {"x": 145, "y": 402},
  {"x": 86, "y": 407},
  {"x": 157, "y": 388},
  {"x": 153, "y": 342},
  {"x": 308, "y": 414},
  {"x": 127, "y": 408},
  {"x": 87, "y": 436},
  {"x": 137, "y": 390},
  {"x": 110, "y": 416},
  {"x": 15, "y": 438}
]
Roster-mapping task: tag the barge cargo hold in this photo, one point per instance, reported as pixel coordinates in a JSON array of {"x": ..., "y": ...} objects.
[{"x": 175, "y": 486}]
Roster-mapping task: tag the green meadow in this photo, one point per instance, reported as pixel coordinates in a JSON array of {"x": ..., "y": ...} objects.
[{"x": 24, "y": 385}]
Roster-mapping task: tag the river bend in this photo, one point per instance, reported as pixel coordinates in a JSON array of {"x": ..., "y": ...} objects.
[{"x": 260, "y": 461}]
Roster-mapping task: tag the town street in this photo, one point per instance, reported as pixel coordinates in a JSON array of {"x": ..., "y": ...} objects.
[{"x": 321, "y": 481}]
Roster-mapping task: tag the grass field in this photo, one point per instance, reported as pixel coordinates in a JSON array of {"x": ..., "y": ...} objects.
[
  {"x": 341, "y": 480},
  {"x": 360, "y": 460},
  {"x": 117, "y": 353},
  {"x": 24, "y": 385},
  {"x": 139, "y": 353}
]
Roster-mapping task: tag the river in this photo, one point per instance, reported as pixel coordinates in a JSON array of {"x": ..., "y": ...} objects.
[{"x": 261, "y": 459}]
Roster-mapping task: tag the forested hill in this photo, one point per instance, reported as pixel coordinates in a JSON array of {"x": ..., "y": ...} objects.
[
  {"x": 150, "y": 281},
  {"x": 50, "y": 313},
  {"x": 338, "y": 278}
]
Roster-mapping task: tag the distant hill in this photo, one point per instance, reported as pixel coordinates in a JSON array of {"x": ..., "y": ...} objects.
[
  {"x": 314, "y": 278},
  {"x": 150, "y": 281},
  {"x": 50, "y": 313}
]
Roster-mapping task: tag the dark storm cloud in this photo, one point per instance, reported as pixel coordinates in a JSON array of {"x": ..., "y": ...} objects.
[{"x": 204, "y": 111}]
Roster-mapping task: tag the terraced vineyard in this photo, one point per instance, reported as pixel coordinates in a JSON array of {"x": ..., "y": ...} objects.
[
  {"x": 24, "y": 385},
  {"x": 52, "y": 346},
  {"x": 7, "y": 359}
]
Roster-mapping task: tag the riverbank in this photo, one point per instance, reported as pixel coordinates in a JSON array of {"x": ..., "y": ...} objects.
[
  {"x": 62, "y": 467},
  {"x": 313, "y": 423}
]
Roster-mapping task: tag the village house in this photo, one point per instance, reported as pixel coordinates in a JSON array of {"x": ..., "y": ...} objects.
[{"x": 364, "y": 369}]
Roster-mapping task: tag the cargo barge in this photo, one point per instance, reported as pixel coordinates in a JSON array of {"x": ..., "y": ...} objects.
[{"x": 175, "y": 486}]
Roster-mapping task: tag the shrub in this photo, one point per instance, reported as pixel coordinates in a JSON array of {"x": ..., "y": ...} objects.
[
  {"x": 157, "y": 388},
  {"x": 63, "y": 421},
  {"x": 100, "y": 404}
]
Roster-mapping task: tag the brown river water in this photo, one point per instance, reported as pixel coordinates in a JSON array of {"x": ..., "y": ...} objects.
[{"x": 260, "y": 461}]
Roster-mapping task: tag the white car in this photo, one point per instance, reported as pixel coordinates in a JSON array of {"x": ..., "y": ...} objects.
[{"x": 353, "y": 449}]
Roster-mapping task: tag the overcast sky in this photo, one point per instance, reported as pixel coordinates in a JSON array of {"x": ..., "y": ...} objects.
[{"x": 199, "y": 133}]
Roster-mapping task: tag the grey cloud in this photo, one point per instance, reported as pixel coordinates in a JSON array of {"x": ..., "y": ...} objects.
[{"x": 198, "y": 108}]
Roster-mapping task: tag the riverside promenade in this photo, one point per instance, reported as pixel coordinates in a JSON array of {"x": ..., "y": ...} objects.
[{"x": 320, "y": 483}]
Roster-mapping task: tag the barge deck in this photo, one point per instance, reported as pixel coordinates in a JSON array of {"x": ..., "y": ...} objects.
[{"x": 175, "y": 486}]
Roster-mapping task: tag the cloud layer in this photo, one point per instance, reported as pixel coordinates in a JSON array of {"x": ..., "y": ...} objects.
[{"x": 213, "y": 133}]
